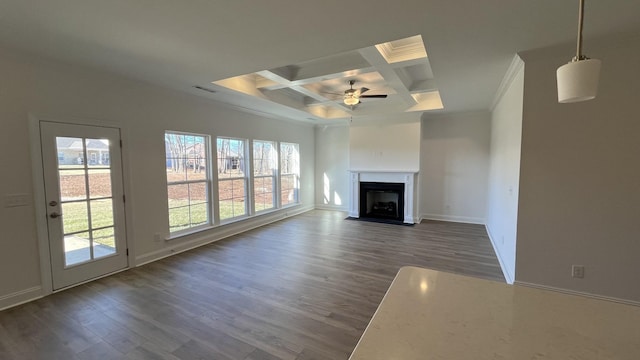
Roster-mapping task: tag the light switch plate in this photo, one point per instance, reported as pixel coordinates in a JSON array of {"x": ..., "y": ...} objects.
[{"x": 14, "y": 200}]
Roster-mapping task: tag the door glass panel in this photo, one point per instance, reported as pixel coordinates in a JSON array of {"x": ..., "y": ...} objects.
[
  {"x": 97, "y": 153},
  {"x": 99, "y": 183},
  {"x": 75, "y": 217},
  {"x": 104, "y": 243},
  {"x": 77, "y": 248},
  {"x": 101, "y": 213},
  {"x": 70, "y": 152},
  {"x": 72, "y": 184}
]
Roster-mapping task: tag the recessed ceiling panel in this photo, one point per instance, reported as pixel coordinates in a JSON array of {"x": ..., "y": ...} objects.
[{"x": 397, "y": 77}]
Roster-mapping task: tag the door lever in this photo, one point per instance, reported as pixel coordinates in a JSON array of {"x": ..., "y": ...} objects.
[{"x": 55, "y": 215}]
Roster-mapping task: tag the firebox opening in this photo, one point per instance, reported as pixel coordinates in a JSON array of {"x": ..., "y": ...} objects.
[{"x": 383, "y": 201}]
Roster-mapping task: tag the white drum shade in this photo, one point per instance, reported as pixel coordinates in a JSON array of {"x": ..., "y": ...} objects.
[{"x": 578, "y": 80}]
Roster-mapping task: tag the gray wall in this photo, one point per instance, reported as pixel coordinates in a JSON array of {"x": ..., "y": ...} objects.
[
  {"x": 504, "y": 169},
  {"x": 580, "y": 175},
  {"x": 63, "y": 92},
  {"x": 332, "y": 165},
  {"x": 454, "y": 166}
]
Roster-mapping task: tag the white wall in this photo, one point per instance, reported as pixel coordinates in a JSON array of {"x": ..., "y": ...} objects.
[
  {"x": 454, "y": 167},
  {"x": 580, "y": 175},
  {"x": 504, "y": 168},
  {"x": 61, "y": 92},
  {"x": 385, "y": 147},
  {"x": 332, "y": 165}
]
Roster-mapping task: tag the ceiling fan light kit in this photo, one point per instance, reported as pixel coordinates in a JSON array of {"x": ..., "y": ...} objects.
[
  {"x": 352, "y": 96},
  {"x": 578, "y": 80}
]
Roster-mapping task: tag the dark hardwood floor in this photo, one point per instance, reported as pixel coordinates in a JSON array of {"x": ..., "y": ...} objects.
[{"x": 302, "y": 288}]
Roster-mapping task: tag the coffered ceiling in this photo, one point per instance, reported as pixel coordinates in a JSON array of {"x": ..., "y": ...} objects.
[
  {"x": 294, "y": 52},
  {"x": 315, "y": 89}
]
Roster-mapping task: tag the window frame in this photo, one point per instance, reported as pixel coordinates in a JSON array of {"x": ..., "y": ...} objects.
[
  {"x": 245, "y": 178},
  {"x": 207, "y": 181},
  {"x": 274, "y": 175},
  {"x": 296, "y": 175}
]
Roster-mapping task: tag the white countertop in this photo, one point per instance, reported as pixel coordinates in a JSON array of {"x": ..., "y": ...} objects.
[{"x": 428, "y": 314}]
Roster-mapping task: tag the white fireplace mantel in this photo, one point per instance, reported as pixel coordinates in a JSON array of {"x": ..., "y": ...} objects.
[{"x": 408, "y": 178}]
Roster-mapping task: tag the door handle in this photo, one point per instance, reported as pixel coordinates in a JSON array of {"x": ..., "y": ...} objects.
[{"x": 55, "y": 215}]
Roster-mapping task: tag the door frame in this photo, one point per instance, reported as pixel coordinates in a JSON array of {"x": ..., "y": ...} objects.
[{"x": 39, "y": 199}]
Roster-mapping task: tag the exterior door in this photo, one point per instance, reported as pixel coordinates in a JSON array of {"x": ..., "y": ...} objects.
[{"x": 84, "y": 200}]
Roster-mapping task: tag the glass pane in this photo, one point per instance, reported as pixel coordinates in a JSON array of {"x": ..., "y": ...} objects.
[
  {"x": 75, "y": 217},
  {"x": 104, "y": 242},
  {"x": 225, "y": 190},
  {"x": 72, "y": 184},
  {"x": 199, "y": 214},
  {"x": 101, "y": 213},
  {"x": 176, "y": 157},
  {"x": 289, "y": 158},
  {"x": 232, "y": 198},
  {"x": 230, "y": 157},
  {"x": 238, "y": 188},
  {"x": 179, "y": 218},
  {"x": 77, "y": 248},
  {"x": 198, "y": 193},
  {"x": 178, "y": 195},
  {"x": 70, "y": 152},
  {"x": 264, "y": 160},
  {"x": 196, "y": 154},
  {"x": 263, "y": 193},
  {"x": 178, "y": 207},
  {"x": 97, "y": 153},
  {"x": 99, "y": 183}
]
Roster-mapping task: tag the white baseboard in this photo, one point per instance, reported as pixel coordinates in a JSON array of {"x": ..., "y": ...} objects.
[
  {"x": 20, "y": 297},
  {"x": 508, "y": 276},
  {"x": 453, "y": 218},
  {"x": 219, "y": 233},
  {"x": 331, "y": 207},
  {"x": 579, "y": 293}
]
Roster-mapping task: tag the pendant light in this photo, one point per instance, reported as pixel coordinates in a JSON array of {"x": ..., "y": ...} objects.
[{"x": 578, "y": 80}]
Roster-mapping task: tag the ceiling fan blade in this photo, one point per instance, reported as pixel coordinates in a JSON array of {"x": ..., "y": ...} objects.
[
  {"x": 363, "y": 90},
  {"x": 374, "y": 96}
]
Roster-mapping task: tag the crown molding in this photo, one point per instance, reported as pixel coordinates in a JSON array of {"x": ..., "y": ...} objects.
[{"x": 514, "y": 68}]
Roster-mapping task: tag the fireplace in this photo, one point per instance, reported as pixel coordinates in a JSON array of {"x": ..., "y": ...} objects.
[
  {"x": 384, "y": 201},
  {"x": 385, "y": 195}
]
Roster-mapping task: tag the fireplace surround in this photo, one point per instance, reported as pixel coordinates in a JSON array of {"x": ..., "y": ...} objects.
[{"x": 383, "y": 188}]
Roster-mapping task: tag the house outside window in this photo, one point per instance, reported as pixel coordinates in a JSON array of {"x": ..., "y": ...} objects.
[
  {"x": 232, "y": 177},
  {"x": 188, "y": 180},
  {"x": 265, "y": 170},
  {"x": 289, "y": 174}
]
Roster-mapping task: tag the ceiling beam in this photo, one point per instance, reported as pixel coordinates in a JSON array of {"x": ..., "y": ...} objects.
[{"x": 373, "y": 56}]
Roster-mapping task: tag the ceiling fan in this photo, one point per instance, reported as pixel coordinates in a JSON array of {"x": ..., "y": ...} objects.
[{"x": 352, "y": 96}]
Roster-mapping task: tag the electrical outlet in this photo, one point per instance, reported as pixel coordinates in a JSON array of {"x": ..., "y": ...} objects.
[{"x": 577, "y": 271}]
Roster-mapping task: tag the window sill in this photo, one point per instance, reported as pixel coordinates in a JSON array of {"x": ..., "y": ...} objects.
[{"x": 183, "y": 233}]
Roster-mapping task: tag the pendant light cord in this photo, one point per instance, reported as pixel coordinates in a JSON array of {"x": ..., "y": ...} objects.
[{"x": 579, "y": 55}]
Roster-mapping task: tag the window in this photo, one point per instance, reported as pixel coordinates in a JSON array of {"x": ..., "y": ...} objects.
[
  {"x": 188, "y": 180},
  {"x": 289, "y": 173},
  {"x": 232, "y": 182},
  {"x": 264, "y": 175}
]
